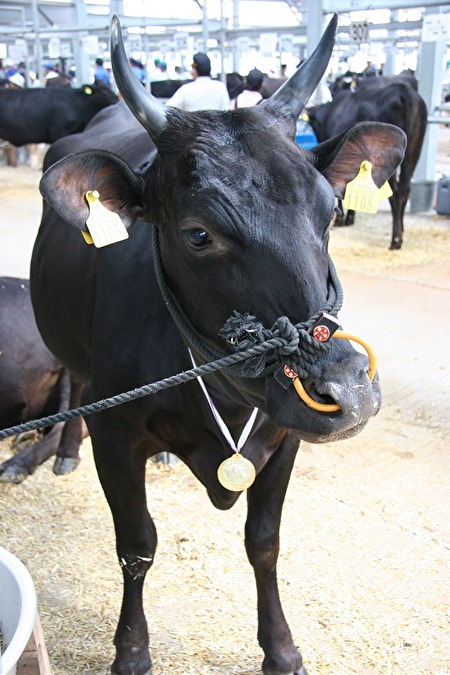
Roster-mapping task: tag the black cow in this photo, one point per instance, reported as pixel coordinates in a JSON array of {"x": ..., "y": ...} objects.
[
  {"x": 383, "y": 99},
  {"x": 44, "y": 115},
  {"x": 166, "y": 88},
  {"x": 33, "y": 383},
  {"x": 236, "y": 218}
]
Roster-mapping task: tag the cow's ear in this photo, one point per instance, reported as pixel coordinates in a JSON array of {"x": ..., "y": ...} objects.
[
  {"x": 339, "y": 158},
  {"x": 65, "y": 184}
]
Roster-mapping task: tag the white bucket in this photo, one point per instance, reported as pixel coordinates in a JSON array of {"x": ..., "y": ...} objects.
[{"x": 18, "y": 608}]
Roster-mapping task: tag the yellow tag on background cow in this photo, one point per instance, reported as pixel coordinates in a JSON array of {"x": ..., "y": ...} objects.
[
  {"x": 385, "y": 192},
  {"x": 361, "y": 193},
  {"x": 105, "y": 227}
]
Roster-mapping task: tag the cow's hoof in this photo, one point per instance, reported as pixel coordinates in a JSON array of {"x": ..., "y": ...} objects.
[
  {"x": 12, "y": 474},
  {"x": 395, "y": 246},
  {"x": 63, "y": 465}
]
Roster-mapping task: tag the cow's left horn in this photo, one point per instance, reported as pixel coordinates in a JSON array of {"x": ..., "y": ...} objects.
[
  {"x": 150, "y": 112},
  {"x": 295, "y": 92}
]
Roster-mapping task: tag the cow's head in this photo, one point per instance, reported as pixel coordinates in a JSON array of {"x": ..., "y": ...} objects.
[{"x": 244, "y": 217}]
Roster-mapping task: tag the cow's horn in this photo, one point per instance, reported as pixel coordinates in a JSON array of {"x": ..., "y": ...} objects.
[
  {"x": 150, "y": 112},
  {"x": 295, "y": 92}
]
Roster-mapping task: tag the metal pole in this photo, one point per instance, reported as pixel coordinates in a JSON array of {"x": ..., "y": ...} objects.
[
  {"x": 205, "y": 28},
  {"x": 223, "y": 75},
  {"x": 429, "y": 75},
  {"x": 236, "y": 24},
  {"x": 37, "y": 40}
]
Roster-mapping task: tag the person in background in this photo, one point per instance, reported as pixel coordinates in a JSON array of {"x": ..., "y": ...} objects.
[
  {"x": 160, "y": 72},
  {"x": 138, "y": 70},
  {"x": 370, "y": 70},
  {"x": 251, "y": 95},
  {"x": 49, "y": 73},
  {"x": 9, "y": 68},
  {"x": 101, "y": 75},
  {"x": 283, "y": 71},
  {"x": 16, "y": 81},
  {"x": 53, "y": 77},
  {"x": 178, "y": 73},
  {"x": 203, "y": 93},
  {"x": 163, "y": 70}
]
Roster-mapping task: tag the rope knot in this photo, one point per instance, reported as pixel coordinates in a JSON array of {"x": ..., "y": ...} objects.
[
  {"x": 288, "y": 332},
  {"x": 242, "y": 331}
]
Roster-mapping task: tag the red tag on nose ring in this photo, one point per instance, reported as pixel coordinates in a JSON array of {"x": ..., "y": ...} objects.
[
  {"x": 325, "y": 326},
  {"x": 285, "y": 376}
]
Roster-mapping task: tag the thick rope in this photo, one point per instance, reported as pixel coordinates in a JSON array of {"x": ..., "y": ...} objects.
[{"x": 145, "y": 390}]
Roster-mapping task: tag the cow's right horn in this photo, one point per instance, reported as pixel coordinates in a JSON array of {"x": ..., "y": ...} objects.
[
  {"x": 150, "y": 112},
  {"x": 293, "y": 95}
]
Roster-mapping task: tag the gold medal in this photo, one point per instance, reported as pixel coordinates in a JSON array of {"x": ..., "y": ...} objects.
[{"x": 236, "y": 473}]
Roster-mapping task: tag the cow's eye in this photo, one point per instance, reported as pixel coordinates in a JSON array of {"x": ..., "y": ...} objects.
[{"x": 198, "y": 238}]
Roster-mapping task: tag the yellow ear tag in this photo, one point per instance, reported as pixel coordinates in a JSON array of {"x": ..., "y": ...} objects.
[
  {"x": 385, "y": 192},
  {"x": 361, "y": 193},
  {"x": 88, "y": 91},
  {"x": 105, "y": 227},
  {"x": 87, "y": 237}
]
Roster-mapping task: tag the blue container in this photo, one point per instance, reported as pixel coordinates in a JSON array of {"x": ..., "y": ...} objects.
[
  {"x": 306, "y": 141},
  {"x": 443, "y": 196}
]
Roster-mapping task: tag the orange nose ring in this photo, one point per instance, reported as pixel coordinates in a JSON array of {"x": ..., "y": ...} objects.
[{"x": 333, "y": 407}]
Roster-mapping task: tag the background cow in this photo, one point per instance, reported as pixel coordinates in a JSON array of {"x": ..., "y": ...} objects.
[
  {"x": 44, "y": 115},
  {"x": 230, "y": 224},
  {"x": 33, "y": 383},
  {"x": 384, "y": 99}
]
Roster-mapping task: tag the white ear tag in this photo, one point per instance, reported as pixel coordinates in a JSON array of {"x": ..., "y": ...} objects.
[{"x": 105, "y": 227}]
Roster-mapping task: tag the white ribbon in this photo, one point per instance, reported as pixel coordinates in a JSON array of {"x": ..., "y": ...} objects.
[{"x": 221, "y": 424}]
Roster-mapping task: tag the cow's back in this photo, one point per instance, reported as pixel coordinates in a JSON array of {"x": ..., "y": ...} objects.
[{"x": 388, "y": 100}]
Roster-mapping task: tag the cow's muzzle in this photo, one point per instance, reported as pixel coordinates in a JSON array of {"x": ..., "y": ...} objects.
[{"x": 333, "y": 407}]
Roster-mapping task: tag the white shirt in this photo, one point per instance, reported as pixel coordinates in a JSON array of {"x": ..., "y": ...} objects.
[
  {"x": 320, "y": 95},
  {"x": 203, "y": 93},
  {"x": 247, "y": 99}
]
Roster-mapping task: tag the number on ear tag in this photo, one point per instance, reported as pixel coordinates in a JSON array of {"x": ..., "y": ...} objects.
[
  {"x": 361, "y": 193},
  {"x": 105, "y": 227}
]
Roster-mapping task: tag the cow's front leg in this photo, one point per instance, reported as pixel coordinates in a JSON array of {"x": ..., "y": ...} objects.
[
  {"x": 262, "y": 540},
  {"x": 121, "y": 469}
]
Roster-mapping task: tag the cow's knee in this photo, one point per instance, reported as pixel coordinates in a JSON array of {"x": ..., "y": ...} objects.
[{"x": 136, "y": 566}]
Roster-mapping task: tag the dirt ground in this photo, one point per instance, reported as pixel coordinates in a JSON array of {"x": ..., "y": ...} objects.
[{"x": 364, "y": 566}]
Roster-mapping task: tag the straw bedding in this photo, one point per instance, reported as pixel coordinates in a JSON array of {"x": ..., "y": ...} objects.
[{"x": 363, "y": 571}]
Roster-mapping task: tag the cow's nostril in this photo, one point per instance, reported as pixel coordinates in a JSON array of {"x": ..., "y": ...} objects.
[{"x": 312, "y": 390}]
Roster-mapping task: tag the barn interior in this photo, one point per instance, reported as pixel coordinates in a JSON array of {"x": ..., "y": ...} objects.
[
  {"x": 239, "y": 35},
  {"x": 364, "y": 568}
]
